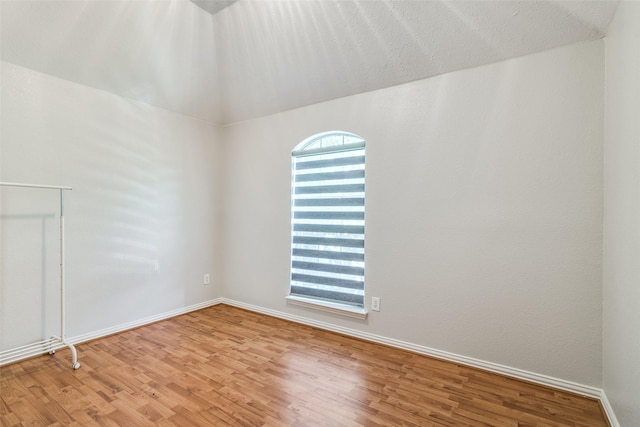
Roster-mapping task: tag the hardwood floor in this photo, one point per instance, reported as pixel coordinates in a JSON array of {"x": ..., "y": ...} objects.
[{"x": 226, "y": 366}]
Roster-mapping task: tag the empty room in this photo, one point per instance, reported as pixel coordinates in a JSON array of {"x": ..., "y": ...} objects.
[{"x": 320, "y": 213}]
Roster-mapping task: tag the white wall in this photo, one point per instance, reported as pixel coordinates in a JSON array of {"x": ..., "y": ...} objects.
[
  {"x": 484, "y": 210},
  {"x": 621, "y": 275},
  {"x": 142, "y": 218}
]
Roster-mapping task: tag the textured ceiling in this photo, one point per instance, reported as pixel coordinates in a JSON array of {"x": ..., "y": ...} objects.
[
  {"x": 213, "y": 6},
  {"x": 258, "y": 57},
  {"x": 159, "y": 52}
]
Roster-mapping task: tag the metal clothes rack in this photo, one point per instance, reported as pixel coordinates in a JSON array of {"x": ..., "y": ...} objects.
[{"x": 54, "y": 342}]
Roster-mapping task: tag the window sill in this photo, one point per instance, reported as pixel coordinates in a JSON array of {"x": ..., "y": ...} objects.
[{"x": 331, "y": 307}]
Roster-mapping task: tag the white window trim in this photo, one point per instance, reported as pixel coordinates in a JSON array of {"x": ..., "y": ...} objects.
[{"x": 329, "y": 306}]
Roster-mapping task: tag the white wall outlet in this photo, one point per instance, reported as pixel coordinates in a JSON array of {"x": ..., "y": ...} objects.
[
  {"x": 207, "y": 279},
  {"x": 375, "y": 304}
]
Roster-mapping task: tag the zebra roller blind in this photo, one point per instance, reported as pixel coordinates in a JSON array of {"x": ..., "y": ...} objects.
[{"x": 328, "y": 218}]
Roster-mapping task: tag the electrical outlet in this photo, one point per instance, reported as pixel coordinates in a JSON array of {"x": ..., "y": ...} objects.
[
  {"x": 207, "y": 279},
  {"x": 375, "y": 304}
]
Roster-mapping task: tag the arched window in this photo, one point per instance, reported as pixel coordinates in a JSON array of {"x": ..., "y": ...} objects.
[{"x": 327, "y": 220}]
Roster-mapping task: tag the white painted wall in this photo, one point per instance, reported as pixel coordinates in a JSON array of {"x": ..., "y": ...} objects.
[
  {"x": 484, "y": 210},
  {"x": 621, "y": 275},
  {"x": 141, "y": 219}
]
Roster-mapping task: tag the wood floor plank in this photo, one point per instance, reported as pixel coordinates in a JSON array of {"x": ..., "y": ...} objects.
[{"x": 226, "y": 366}]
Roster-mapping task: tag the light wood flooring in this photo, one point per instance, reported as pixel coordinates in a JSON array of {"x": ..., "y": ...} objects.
[{"x": 226, "y": 366}]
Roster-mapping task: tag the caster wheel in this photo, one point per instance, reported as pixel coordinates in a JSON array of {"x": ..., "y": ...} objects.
[
  {"x": 52, "y": 352},
  {"x": 76, "y": 365}
]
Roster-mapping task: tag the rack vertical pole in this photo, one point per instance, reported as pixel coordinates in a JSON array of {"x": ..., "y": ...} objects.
[
  {"x": 62, "y": 284},
  {"x": 74, "y": 355}
]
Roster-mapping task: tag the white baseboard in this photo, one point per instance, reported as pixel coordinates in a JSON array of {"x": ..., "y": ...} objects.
[
  {"x": 427, "y": 351},
  {"x": 608, "y": 410},
  {"x": 37, "y": 349},
  {"x": 137, "y": 323}
]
